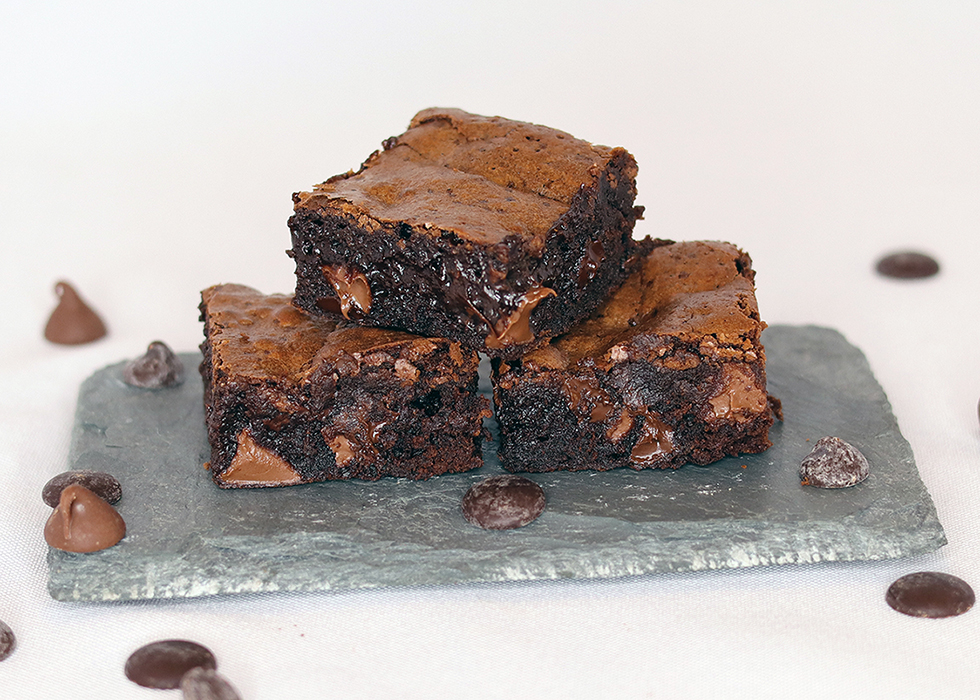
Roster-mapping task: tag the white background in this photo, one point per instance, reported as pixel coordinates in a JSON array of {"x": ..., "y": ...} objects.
[{"x": 149, "y": 150}]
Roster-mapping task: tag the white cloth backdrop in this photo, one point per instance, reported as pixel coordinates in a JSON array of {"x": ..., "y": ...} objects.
[{"x": 149, "y": 151}]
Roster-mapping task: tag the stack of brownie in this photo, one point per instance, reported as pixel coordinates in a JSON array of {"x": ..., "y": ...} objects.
[{"x": 467, "y": 235}]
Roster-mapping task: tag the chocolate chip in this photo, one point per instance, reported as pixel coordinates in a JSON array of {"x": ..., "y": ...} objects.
[
  {"x": 930, "y": 594},
  {"x": 833, "y": 464},
  {"x": 503, "y": 502},
  {"x": 72, "y": 322},
  {"x": 7, "y": 640},
  {"x": 907, "y": 265},
  {"x": 206, "y": 684},
  {"x": 159, "y": 368},
  {"x": 163, "y": 664},
  {"x": 83, "y": 522},
  {"x": 103, "y": 485}
]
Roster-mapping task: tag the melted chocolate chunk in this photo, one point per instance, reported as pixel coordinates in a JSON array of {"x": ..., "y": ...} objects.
[
  {"x": 83, "y": 522},
  {"x": 907, "y": 265},
  {"x": 103, "y": 485},
  {"x": 503, "y": 502},
  {"x": 159, "y": 368},
  {"x": 7, "y": 640},
  {"x": 163, "y": 664},
  {"x": 930, "y": 594},
  {"x": 72, "y": 322},
  {"x": 206, "y": 684},
  {"x": 833, "y": 464}
]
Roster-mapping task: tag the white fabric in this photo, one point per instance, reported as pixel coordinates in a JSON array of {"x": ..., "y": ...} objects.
[{"x": 150, "y": 150}]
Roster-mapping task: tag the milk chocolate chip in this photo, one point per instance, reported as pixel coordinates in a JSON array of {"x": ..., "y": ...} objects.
[
  {"x": 103, "y": 485},
  {"x": 930, "y": 594},
  {"x": 907, "y": 265},
  {"x": 83, "y": 522},
  {"x": 159, "y": 368},
  {"x": 7, "y": 640},
  {"x": 72, "y": 322},
  {"x": 206, "y": 684},
  {"x": 163, "y": 664},
  {"x": 833, "y": 464},
  {"x": 503, "y": 502}
]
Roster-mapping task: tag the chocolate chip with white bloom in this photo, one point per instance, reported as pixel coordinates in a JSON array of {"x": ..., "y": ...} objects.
[
  {"x": 834, "y": 464},
  {"x": 7, "y": 640},
  {"x": 206, "y": 684},
  {"x": 159, "y": 368}
]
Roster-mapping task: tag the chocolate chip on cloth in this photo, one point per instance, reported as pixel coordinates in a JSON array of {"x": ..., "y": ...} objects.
[
  {"x": 503, "y": 502},
  {"x": 930, "y": 594},
  {"x": 207, "y": 684},
  {"x": 834, "y": 464},
  {"x": 907, "y": 265},
  {"x": 83, "y": 522},
  {"x": 163, "y": 664},
  {"x": 159, "y": 368},
  {"x": 103, "y": 485},
  {"x": 72, "y": 322},
  {"x": 7, "y": 640}
]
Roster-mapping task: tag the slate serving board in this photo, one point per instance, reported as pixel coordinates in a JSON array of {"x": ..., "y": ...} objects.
[{"x": 188, "y": 538}]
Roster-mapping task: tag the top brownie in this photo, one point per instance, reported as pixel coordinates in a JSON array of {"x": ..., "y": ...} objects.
[{"x": 491, "y": 232}]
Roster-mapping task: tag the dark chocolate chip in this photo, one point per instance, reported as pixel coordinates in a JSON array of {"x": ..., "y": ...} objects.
[
  {"x": 833, "y": 464},
  {"x": 83, "y": 522},
  {"x": 103, "y": 485},
  {"x": 72, "y": 322},
  {"x": 503, "y": 502},
  {"x": 159, "y": 368},
  {"x": 163, "y": 664},
  {"x": 930, "y": 594},
  {"x": 7, "y": 640},
  {"x": 207, "y": 684},
  {"x": 907, "y": 265}
]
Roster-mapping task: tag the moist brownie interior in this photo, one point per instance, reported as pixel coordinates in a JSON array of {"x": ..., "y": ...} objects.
[
  {"x": 492, "y": 232},
  {"x": 291, "y": 398},
  {"x": 669, "y": 370}
]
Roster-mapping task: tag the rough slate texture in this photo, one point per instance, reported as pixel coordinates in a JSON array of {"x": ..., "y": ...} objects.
[{"x": 185, "y": 537}]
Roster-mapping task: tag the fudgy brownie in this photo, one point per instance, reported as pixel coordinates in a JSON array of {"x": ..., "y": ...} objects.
[
  {"x": 291, "y": 398},
  {"x": 669, "y": 370},
  {"x": 492, "y": 232}
]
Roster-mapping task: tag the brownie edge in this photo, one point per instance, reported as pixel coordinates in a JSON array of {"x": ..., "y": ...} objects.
[{"x": 292, "y": 399}]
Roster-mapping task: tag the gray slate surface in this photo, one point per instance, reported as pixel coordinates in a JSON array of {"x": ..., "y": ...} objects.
[{"x": 188, "y": 538}]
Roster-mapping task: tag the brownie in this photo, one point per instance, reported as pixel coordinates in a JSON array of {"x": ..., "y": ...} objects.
[
  {"x": 291, "y": 398},
  {"x": 669, "y": 370},
  {"x": 491, "y": 232}
]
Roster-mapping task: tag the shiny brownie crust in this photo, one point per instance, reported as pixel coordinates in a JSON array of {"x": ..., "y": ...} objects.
[
  {"x": 669, "y": 370},
  {"x": 291, "y": 398},
  {"x": 491, "y": 232}
]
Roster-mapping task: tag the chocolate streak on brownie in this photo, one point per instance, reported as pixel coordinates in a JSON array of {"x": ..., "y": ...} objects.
[
  {"x": 291, "y": 398},
  {"x": 669, "y": 370},
  {"x": 492, "y": 232}
]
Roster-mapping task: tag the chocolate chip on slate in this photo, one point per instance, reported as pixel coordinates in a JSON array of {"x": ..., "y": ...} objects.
[
  {"x": 163, "y": 664},
  {"x": 207, "y": 684},
  {"x": 833, "y": 464},
  {"x": 83, "y": 522},
  {"x": 930, "y": 594},
  {"x": 907, "y": 265},
  {"x": 159, "y": 368},
  {"x": 503, "y": 502},
  {"x": 72, "y": 322},
  {"x": 7, "y": 640},
  {"x": 103, "y": 485}
]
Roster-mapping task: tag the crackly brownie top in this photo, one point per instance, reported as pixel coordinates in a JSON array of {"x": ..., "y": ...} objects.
[
  {"x": 483, "y": 178},
  {"x": 264, "y": 336},
  {"x": 696, "y": 294}
]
